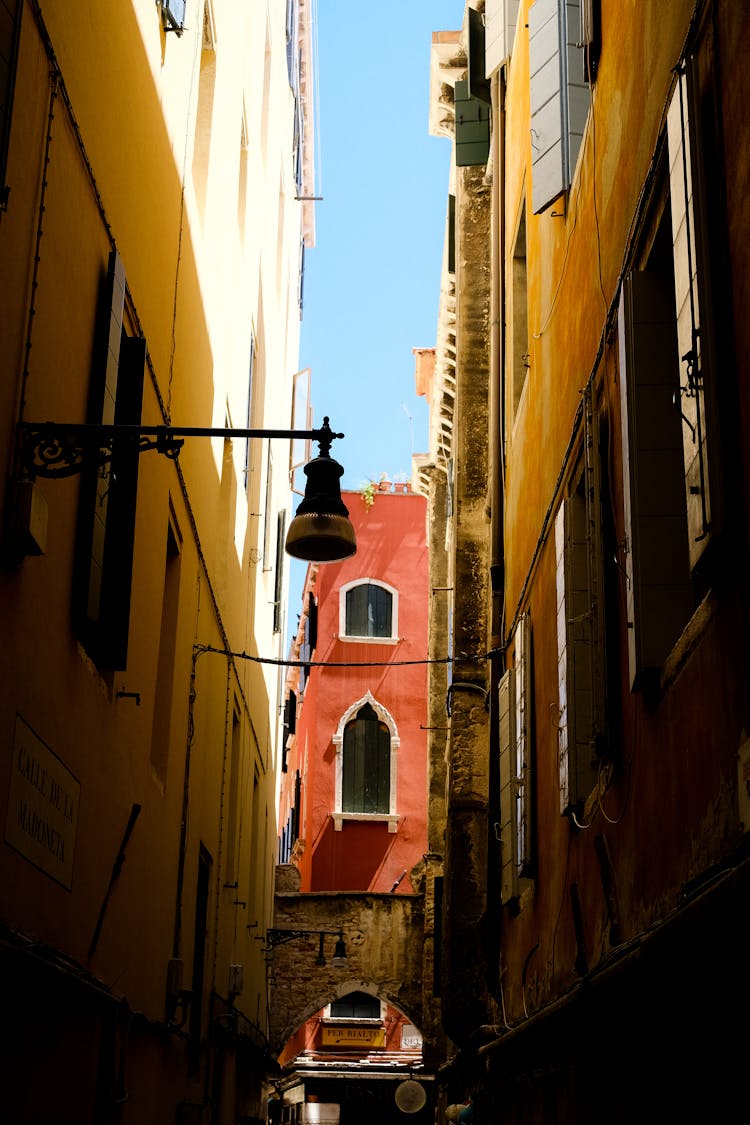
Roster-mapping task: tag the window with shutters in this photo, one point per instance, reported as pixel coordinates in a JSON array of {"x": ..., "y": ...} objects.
[
  {"x": 10, "y": 35},
  {"x": 368, "y": 611},
  {"x": 278, "y": 581},
  {"x": 581, "y": 652},
  {"x": 290, "y": 727},
  {"x": 366, "y": 744},
  {"x": 173, "y": 15},
  {"x": 560, "y": 97},
  {"x": 249, "y": 412},
  {"x": 472, "y": 126},
  {"x": 519, "y": 313},
  {"x": 309, "y": 638},
  {"x": 514, "y": 713},
  {"x": 107, "y": 499},
  {"x": 668, "y": 386}
]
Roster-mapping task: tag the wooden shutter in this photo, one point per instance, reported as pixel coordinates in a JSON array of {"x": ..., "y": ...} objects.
[
  {"x": 522, "y": 748},
  {"x": 366, "y": 765},
  {"x": 278, "y": 583},
  {"x": 575, "y": 656},
  {"x": 500, "y": 19},
  {"x": 695, "y": 336},
  {"x": 507, "y": 733},
  {"x": 659, "y": 595},
  {"x": 10, "y": 35},
  {"x": 302, "y": 419},
  {"x": 577, "y": 95},
  {"x": 548, "y": 167},
  {"x": 479, "y": 85},
  {"x": 106, "y": 522},
  {"x": 472, "y": 127},
  {"x": 559, "y": 97}
]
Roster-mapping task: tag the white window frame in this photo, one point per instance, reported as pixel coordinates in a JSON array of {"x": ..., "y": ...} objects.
[
  {"x": 344, "y": 636},
  {"x": 339, "y": 815}
]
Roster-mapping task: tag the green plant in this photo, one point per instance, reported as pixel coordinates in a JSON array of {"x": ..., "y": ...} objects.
[{"x": 367, "y": 491}]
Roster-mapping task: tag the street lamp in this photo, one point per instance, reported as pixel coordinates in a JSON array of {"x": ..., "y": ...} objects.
[
  {"x": 320, "y": 531},
  {"x": 339, "y": 959}
]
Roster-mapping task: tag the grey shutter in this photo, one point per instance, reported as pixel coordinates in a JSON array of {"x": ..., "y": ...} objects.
[
  {"x": 278, "y": 582},
  {"x": 559, "y": 98},
  {"x": 500, "y": 19},
  {"x": 576, "y": 669},
  {"x": 507, "y": 736},
  {"x": 479, "y": 84},
  {"x": 575, "y": 86},
  {"x": 548, "y": 168},
  {"x": 659, "y": 596},
  {"x": 472, "y": 127}
]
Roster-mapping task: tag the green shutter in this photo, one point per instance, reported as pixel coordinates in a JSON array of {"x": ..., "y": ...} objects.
[{"x": 472, "y": 127}]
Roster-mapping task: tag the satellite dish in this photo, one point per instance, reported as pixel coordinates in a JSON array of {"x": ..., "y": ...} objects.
[{"x": 410, "y": 1096}]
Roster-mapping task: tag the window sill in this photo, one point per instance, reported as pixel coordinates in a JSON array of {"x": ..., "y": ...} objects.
[
  {"x": 391, "y": 819},
  {"x": 368, "y": 640}
]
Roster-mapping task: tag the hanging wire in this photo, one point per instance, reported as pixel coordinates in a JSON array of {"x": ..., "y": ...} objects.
[{"x": 340, "y": 664}]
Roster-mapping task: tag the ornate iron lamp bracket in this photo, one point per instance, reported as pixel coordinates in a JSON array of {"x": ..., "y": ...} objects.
[{"x": 63, "y": 449}]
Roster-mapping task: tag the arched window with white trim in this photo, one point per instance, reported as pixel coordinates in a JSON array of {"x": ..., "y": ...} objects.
[
  {"x": 366, "y": 765},
  {"x": 366, "y": 743},
  {"x": 368, "y": 611}
]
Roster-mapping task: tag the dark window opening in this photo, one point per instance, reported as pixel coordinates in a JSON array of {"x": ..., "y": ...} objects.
[
  {"x": 367, "y": 764},
  {"x": 356, "y": 1006},
  {"x": 369, "y": 611}
]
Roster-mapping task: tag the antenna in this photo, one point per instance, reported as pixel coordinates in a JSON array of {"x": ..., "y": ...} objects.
[{"x": 411, "y": 426}]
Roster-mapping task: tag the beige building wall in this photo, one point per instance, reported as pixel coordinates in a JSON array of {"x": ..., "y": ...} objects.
[{"x": 137, "y": 789}]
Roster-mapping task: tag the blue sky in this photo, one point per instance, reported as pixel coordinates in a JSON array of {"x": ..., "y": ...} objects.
[{"x": 372, "y": 281}]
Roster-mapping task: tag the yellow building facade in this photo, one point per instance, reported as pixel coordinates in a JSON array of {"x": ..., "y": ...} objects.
[
  {"x": 588, "y": 475},
  {"x": 156, "y": 179}
]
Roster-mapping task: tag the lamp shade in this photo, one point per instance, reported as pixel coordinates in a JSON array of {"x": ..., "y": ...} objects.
[
  {"x": 321, "y": 530},
  {"x": 339, "y": 960}
]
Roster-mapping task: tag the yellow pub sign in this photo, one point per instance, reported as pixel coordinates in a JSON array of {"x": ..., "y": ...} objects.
[{"x": 353, "y": 1037}]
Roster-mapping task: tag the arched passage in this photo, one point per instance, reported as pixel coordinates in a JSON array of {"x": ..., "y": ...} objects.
[{"x": 384, "y": 937}]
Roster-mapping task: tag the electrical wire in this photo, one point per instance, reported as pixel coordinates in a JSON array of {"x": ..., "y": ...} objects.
[{"x": 341, "y": 664}]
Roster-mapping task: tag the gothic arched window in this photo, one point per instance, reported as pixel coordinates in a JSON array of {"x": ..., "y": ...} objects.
[{"x": 366, "y": 780}]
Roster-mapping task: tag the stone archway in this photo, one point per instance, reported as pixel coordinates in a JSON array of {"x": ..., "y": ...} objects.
[{"x": 384, "y": 935}]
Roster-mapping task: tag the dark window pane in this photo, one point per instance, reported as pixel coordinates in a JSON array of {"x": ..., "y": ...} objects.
[
  {"x": 367, "y": 762},
  {"x": 369, "y": 611},
  {"x": 356, "y": 1005}
]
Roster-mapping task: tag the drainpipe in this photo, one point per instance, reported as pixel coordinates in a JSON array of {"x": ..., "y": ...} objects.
[
  {"x": 495, "y": 501},
  {"x": 497, "y": 368}
]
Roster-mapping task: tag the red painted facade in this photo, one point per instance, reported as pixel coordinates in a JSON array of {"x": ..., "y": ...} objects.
[
  {"x": 341, "y": 852},
  {"x": 377, "y": 852}
]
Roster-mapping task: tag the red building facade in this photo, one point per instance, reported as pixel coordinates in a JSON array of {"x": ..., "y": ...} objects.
[
  {"x": 353, "y": 808},
  {"x": 353, "y": 801}
]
